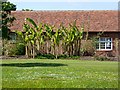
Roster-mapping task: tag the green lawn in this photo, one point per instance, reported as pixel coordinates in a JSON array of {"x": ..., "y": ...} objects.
[{"x": 43, "y": 73}]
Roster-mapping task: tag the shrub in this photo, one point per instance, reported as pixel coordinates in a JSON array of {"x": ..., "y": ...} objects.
[
  {"x": 13, "y": 48},
  {"x": 87, "y": 48},
  {"x": 20, "y": 49},
  {"x": 63, "y": 56},
  {"x": 40, "y": 57},
  {"x": 101, "y": 58},
  {"x": 74, "y": 57},
  {"x": 10, "y": 49},
  {"x": 51, "y": 56},
  {"x": 45, "y": 56},
  {"x": 68, "y": 57}
]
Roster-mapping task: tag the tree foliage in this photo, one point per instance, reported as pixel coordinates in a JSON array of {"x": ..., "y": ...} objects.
[
  {"x": 27, "y": 10},
  {"x": 7, "y": 18},
  {"x": 35, "y": 35},
  {"x": 72, "y": 37}
]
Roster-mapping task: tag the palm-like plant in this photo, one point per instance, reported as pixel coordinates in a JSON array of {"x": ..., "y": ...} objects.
[
  {"x": 31, "y": 35},
  {"x": 56, "y": 38},
  {"x": 49, "y": 31},
  {"x": 49, "y": 34},
  {"x": 78, "y": 34},
  {"x": 36, "y": 35},
  {"x": 39, "y": 40},
  {"x": 25, "y": 36},
  {"x": 67, "y": 39},
  {"x": 72, "y": 36}
]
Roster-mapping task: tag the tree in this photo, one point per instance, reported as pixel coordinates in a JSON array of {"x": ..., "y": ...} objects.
[
  {"x": 40, "y": 36},
  {"x": 77, "y": 34},
  {"x": 25, "y": 37},
  {"x": 49, "y": 34},
  {"x": 68, "y": 37},
  {"x": 7, "y": 18},
  {"x": 72, "y": 36},
  {"x": 27, "y": 10},
  {"x": 33, "y": 33},
  {"x": 6, "y": 21},
  {"x": 56, "y": 38},
  {"x": 34, "y": 36}
]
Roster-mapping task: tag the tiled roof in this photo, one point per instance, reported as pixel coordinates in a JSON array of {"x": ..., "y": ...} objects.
[{"x": 104, "y": 20}]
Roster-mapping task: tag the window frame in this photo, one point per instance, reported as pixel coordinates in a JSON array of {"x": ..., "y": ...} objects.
[
  {"x": 12, "y": 37},
  {"x": 99, "y": 44}
]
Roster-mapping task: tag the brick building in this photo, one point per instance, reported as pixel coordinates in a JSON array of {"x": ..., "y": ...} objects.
[{"x": 98, "y": 21}]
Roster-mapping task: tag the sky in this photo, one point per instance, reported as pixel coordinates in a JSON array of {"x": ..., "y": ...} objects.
[{"x": 66, "y": 4}]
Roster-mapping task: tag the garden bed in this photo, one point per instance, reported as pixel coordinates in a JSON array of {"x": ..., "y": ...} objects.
[
  {"x": 14, "y": 57},
  {"x": 76, "y": 58}
]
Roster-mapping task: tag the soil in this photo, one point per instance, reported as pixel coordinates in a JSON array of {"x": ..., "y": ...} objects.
[{"x": 14, "y": 57}]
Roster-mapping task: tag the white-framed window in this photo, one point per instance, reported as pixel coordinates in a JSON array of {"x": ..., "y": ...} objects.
[
  {"x": 12, "y": 36},
  {"x": 104, "y": 43}
]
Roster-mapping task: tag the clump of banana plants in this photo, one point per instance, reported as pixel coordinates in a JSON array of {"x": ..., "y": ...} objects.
[{"x": 35, "y": 36}]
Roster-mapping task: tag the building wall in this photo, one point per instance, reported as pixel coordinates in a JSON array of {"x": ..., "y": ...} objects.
[
  {"x": 47, "y": 48},
  {"x": 119, "y": 47},
  {"x": 115, "y": 52}
]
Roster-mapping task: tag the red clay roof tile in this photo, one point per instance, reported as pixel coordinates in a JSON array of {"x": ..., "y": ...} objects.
[{"x": 99, "y": 20}]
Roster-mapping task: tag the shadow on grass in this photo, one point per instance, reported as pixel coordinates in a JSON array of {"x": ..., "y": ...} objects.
[{"x": 34, "y": 64}]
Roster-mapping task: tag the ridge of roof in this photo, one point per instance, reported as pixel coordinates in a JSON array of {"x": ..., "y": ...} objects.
[{"x": 67, "y": 11}]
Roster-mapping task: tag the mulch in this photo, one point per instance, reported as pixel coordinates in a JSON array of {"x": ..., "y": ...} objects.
[
  {"x": 81, "y": 58},
  {"x": 14, "y": 57}
]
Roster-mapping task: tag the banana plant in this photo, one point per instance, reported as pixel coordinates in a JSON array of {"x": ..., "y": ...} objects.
[
  {"x": 39, "y": 36},
  {"x": 68, "y": 35},
  {"x": 67, "y": 39},
  {"x": 78, "y": 34},
  {"x": 49, "y": 34},
  {"x": 72, "y": 35},
  {"x": 56, "y": 38},
  {"x": 24, "y": 36},
  {"x": 49, "y": 31},
  {"x": 36, "y": 34},
  {"x": 29, "y": 35}
]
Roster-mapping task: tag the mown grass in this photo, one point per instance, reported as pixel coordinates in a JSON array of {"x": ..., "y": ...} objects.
[{"x": 44, "y": 73}]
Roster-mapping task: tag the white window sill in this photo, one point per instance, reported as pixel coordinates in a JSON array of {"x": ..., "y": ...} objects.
[{"x": 104, "y": 50}]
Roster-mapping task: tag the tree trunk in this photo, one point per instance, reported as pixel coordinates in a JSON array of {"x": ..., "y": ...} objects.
[
  {"x": 56, "y": 54},
  {"x": 53, "y": 50},
  {"x": 3, "y": 45},
  {"x": 47, "y": 47},
  {"x": 75, "y": 47},
  {"x": 38, "y": 46},
  {"x": 69, "y": 50},
  {"x": 33, "y": 50},
  {"x": 57, "y": 50},
  {"x": 26, "y": 51},
  {"x": 72, "y": 48},
  {"x": 79, "y": 47}
]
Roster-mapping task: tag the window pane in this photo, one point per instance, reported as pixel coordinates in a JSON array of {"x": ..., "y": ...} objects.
[
  {"x": 12, "y": 36},
  {"x": 108, "y": 39},
  {"x": 108, "y": 44},
  {"x": 102, "y": 45},
  {"x": 97, "y": 46},
  {"x": 102, "y": 39},
  {"x": 108, "y": 47}
]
